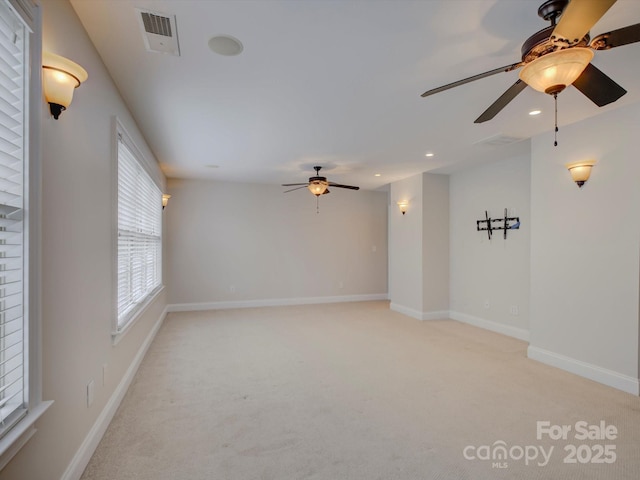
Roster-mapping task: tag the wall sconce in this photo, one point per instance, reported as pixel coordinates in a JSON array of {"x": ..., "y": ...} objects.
[
  {"x": 60, "y": 77},
  {"x": 402, "y": 205},
  {"x": 580, "y": 171},
  {"x": 165, "y": 199}
]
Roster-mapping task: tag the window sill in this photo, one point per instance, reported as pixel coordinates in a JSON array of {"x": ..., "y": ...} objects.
[
  {"x": 19, "y": 435},
  {"x": 117, "y": 336}
]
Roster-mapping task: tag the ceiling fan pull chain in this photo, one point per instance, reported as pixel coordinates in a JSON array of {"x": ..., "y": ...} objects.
[
  {"x": 317, "y": 204},
  {"x": 555, "y": 135}
]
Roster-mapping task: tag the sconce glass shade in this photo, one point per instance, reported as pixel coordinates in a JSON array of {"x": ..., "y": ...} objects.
[
  {"x": 318, "y": 187},
  {"x": 165, "y": 199},
  {"x": 580, "y": 171},
  {"x": 403, "y": 206},
  {"x": 60, "y": 77},
  {"x": 554, "y": 71}
]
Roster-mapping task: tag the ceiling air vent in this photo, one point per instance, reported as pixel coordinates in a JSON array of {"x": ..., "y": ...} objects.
[
  {"x": 499, "y": 140},
  {"x": 159, "y": 32}
]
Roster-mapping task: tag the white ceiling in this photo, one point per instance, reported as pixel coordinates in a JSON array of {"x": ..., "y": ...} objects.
[{"x": 336, "y": 83}]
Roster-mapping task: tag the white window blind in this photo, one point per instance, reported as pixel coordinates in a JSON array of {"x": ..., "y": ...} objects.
[
  {"x": 139, "y": 235},
  {"x": 13, "y": 141}
]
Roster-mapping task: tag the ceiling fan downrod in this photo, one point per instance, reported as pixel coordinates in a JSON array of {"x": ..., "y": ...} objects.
[{"x": 551, "y": 10}]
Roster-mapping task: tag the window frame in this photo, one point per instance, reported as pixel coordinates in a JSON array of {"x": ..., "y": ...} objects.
[
  {"x": 120, "y": 134},
  {"x": 30, "y": 12}
]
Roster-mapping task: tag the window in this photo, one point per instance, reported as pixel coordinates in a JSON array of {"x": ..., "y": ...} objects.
[
  {"x": 13, "y": 182},
  {"x": 20, "y": 386},
  {"x": 139, "y": 234}
]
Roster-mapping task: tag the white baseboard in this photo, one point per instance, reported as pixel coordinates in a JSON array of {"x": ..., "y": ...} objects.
[
  {"x": 83, "y": 455},
  {"x": 436, "y": 315},
  {"x": 592, "y": 372},
  {"x": 273, "y": 302},
  {"x": 515, "y": 332},
  {"x": 410, "y": 312}
]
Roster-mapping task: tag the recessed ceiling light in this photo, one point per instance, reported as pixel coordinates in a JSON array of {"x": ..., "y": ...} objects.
[
  {"x": 225, "y": 45},
  {"x": 535, "y": 112},
  {"x": 377, "y": 175},
  {"x": 428, "y": 154}
]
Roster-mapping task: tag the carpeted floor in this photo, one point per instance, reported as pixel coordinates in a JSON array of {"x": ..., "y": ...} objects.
[{"x": 355, "y": 391}]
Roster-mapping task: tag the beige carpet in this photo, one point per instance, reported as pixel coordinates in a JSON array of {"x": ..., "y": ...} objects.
[{"x": 357, "y": 392}]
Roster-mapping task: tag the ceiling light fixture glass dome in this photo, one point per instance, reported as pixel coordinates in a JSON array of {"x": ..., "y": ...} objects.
[{"x": 555, "y": 71}]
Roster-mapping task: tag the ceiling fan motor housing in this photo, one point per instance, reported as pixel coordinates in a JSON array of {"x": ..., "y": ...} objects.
[{"x": 540, "y": 44}]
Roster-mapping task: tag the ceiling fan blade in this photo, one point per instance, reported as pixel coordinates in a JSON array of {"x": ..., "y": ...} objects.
[
  {"x": 294, "y": 184},
  {"x": 297, "y": 188},
  {"x": 598, "y": 87},
  {"x": 351, "y": 187},
  {"x": 502, "y": 102},
  {"x": 506, "y": 68},
  {"x": 617, "y": 38},
  {"x": 577, "y": 19},
  {"x": 326, "y": 191}
]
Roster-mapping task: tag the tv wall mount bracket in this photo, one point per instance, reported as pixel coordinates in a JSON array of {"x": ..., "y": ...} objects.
[{"x": 491, "y": 224}]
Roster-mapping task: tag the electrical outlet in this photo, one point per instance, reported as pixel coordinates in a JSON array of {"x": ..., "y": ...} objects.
[
  {"x": 340, "y": 284},
  {"x": 90, "y": 393},
  {"x": 487, "y": 304},
  {"x": 232, "y": 289},
  {"x": 514, "y": 310},
  {"x": 374, "y": 249}
]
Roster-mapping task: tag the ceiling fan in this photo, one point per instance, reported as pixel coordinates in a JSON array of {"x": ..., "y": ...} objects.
[
  {"x": 560, "y": 55},
  {"x": 317, "y": 185}
]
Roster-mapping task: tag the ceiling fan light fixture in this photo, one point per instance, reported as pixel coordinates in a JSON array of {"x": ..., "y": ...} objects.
[
  {"x": 554, "y": 71},
  {"x": 318, "y": 187}
]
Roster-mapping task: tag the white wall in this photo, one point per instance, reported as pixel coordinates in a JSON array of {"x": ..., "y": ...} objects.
[
  {"x": 235, "y": 242},
  {"x": 585, "y": 255},
  {"x": 435, "y": 245},
  {"x": 497, "y": 271},
  {"x": 405, "y": 246},
  {"x": 419, "y": 247},
  {"x": 77, "y": 260}
]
